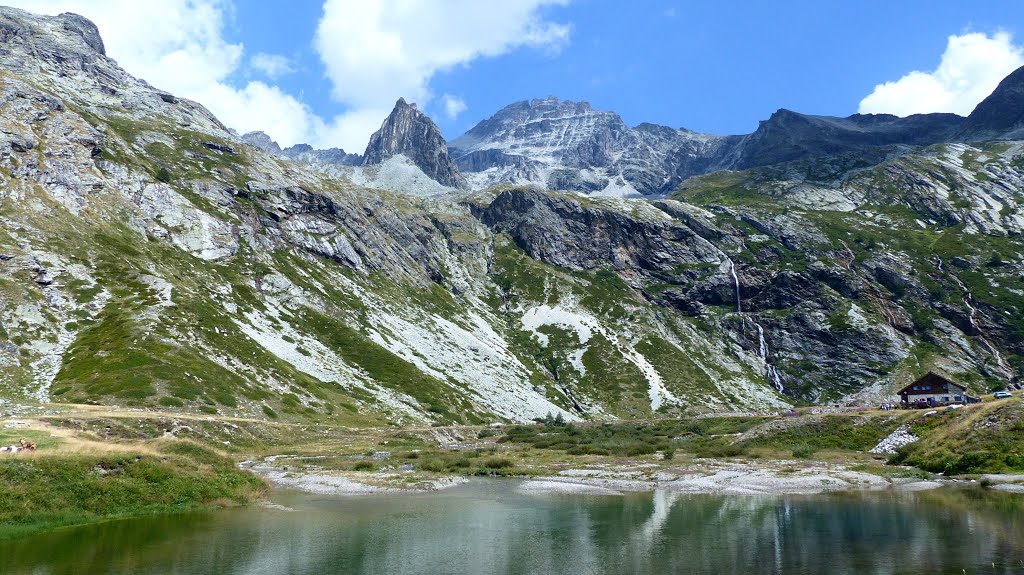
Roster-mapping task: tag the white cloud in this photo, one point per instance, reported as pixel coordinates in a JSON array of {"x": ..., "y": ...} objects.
[
  {"x": 272, "y": 65},
  {"x": 351, "y": 130},
  {"x": 174, "y": 44},
  {"x": 258, "y": 106},
  {"x": 376, "y": 51},
  {"x": 178, "y": 46},
  {"x": 453, "y": 106},
  {"x": 971, "y": 68}
]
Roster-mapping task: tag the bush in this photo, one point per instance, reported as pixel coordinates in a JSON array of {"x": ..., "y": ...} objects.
[
  {"x": 365, "y": 466},
  {"x": 718, "y": 450},
  {"x": 168, "y": 401},
  {"x": 498, "y": 463},
  {"x": 433, "y": 465},
  {"x": 803, "y": 451}
]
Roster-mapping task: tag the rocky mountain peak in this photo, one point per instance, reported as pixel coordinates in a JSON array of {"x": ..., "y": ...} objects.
[
  {"x": 84, "y": 28},
  {"x": 262, "y": 141},
  {"x": 303, "y": 153},
  {"x": 568, "y": 145},
  {"x": 409, "y": 132},
  {"x": 788, "y": 136},
  {"x": 1001, "y": 115},
  {"x": 47, "y": 41}
]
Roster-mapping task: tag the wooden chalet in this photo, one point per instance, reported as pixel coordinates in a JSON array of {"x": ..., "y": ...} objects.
[{"x": 932, "y": 389}]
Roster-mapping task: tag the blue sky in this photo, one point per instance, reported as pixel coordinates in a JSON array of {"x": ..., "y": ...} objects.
[{"x": 716, "y": 67}]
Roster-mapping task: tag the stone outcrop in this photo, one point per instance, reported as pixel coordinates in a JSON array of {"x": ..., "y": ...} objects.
[{"x": 409, "y": 132}]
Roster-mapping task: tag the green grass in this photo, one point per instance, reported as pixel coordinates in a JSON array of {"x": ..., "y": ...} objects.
[
  {"x": 385, "y": 367},
  {"x": 808, "y": 434},
  {"x": 42, "y": 492},
  {"x": 703, "y": 438},
  {"x": 986, "y": 439}
]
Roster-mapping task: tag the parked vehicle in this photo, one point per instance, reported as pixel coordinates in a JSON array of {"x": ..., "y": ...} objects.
[{"x": 1002, "y": 394}]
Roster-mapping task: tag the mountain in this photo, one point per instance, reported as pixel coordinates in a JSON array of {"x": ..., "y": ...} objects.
[
  {"x": 570, "y": 146},
  {"x": 409, "y": 132},
  {"x": 788, "y": 136},
  {"x": 999, "y": 116},
  {"x": 150, "y": 258},
  {"x": 303, "y": 153}
]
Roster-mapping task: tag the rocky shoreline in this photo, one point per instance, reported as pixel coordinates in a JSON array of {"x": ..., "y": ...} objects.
[{"x": 777, "y": 478}]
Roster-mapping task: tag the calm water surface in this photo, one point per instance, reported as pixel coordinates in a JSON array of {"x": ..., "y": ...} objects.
[{"x": 489, "y": 527}]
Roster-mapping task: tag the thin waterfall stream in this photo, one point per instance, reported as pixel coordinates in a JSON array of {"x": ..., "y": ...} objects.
[{"x": 770, "y": 371}]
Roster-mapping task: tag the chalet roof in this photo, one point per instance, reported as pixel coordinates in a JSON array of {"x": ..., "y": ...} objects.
[{"x": 931, "y": 379}]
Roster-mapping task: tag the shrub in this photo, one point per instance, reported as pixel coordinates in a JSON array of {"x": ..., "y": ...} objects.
[
  {"x": 433, "y": 465},
  {"x": 498, "y": 463},
  {"x": 169, "y": 401},
  {"x": 803, "y": 451},
  {"x": 365, "y": 466},
  {"x": 714, "y": 450}
]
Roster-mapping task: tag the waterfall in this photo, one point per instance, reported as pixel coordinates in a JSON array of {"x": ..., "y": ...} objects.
[
  {"x": 736, "y": 282},
  {"x": 770, "y": 371},
  {"x": 762, "y": 352},
  {"x": 971, "y": 312}
]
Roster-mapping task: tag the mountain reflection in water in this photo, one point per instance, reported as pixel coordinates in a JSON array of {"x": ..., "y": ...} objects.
[{"x": 489, "y": 527}]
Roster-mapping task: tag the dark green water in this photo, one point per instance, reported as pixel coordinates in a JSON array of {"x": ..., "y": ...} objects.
[{"x": 488, "y": 527}]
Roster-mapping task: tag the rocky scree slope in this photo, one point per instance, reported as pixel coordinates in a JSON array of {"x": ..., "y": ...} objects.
[{"x": 148, "y": 257}]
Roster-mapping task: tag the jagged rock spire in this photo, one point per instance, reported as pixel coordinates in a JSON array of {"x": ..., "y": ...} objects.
[{"x": 409, "y": 132}]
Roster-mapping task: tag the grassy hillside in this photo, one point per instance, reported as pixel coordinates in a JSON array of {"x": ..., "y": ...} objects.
[{"x": 71, "y": 481}]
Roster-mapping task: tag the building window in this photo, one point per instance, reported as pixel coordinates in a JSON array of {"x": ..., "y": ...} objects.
[{"x": 946, "y": 399}]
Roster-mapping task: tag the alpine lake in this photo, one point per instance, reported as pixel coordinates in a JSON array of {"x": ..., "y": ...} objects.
[{"x": 490, "y": 526}]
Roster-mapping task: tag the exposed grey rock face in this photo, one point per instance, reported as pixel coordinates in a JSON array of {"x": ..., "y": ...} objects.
[
  {"x": 409, "y": 132},
  {"x": 263, "y": 141},
  {"x": 328, "y": 157},
  {"x": 86, "y": 29},
  {"x": 789, "y": 136},
  {"x": 777, "y": 314},
  {"x": 561, "y": 231},
  {"x": 570, "y": 146}
]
